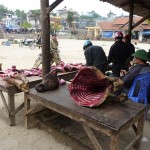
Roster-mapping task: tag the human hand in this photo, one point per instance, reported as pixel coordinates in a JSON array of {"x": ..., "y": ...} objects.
[{"x": 123, "y": 72}]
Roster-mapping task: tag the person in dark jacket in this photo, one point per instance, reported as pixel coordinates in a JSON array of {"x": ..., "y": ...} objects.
[
  {"x": 127, "y": 40},
  {"x": 118, "y": 54},
  {"x": 95, "y": 56},
  {"x": 140, "y": 67}
]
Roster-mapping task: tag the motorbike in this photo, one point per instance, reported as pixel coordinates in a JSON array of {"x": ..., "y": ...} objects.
[
  {"x": 26, "y": 42},
  {"x": 36, "y": 43}
]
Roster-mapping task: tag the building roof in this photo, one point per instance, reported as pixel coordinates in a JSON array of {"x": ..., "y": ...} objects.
[
  {"x": 141, "y": 7},
  {"x": 121, "y": 23}
]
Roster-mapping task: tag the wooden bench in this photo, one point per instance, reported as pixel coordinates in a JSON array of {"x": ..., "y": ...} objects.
[
  {"x": 11, "y": 90},
  {"x": 109, "y": 118}
]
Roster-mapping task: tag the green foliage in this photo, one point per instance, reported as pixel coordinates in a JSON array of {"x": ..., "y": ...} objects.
[
  {"x": 4, "y": 10},
  {"x": 26, "y": 25},
  {"x": 93, "y": 14},
  {"x": 17, "y": 12},
  {"x": 86, "y": 17},
  {"x": 90, "y": 16},
  {"x": 55, "y": 27},
  {"x": 35, "y": 15},
  {"x": 21, "y": 14},
  {"x": 70, "y": 18}
]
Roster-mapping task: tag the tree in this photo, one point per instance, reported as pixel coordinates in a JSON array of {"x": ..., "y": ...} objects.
[
  {"x": 90, "y": 16},
  {"x": 26, "y": 25},
  {"x": 70, "y": 18},
  {"x": 21, "y": 14},
  {"x": 93, "y": 14},
  {"x": 35, "y": 16},
  {"x": 55, "y": 27},
  {"x": 4, "y": 10}
]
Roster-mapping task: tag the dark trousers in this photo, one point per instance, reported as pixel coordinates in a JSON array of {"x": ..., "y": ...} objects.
[{"x": 116, "y": 69}]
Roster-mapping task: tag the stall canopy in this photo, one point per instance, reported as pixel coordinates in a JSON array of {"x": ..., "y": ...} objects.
[{"x": 141, "y": 7}]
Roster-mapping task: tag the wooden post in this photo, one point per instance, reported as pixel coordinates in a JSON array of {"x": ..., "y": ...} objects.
[
  {"x": 45, "y": 19},
  {"x": 131, "y": 6}
]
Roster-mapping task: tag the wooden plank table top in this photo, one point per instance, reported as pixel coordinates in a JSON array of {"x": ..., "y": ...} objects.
[
  {"x": 11, "y": 90},
  {"x": 108, "y": 118},
  {"x": 33, "y": 80}
]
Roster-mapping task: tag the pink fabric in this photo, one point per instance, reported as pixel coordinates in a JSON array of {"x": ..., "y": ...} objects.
[
  {"x": 63, "y": 67},
  {"x": 27, "y": 72}
]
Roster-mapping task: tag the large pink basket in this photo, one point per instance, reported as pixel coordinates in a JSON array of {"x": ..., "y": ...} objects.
[{"x": 90, "y": 87}]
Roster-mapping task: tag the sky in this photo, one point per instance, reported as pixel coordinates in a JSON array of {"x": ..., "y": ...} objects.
[{"x": 81, "y": 6}]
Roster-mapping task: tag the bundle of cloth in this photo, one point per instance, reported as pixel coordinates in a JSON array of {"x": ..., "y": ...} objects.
[{"x": 90, "y": 87}]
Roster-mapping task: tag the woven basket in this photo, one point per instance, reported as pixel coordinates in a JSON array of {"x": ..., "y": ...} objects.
[{"x": 90, "y": 87}]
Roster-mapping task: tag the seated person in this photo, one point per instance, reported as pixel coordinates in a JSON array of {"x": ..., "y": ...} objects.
[{"x": 140, "y": 66}]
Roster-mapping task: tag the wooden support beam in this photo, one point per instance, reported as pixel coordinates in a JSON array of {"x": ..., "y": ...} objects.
[
  {"x": 53, "y": 5},
  {"x": 140, "y": 21},
  {"x": 45, "y": 19},
  {"x": 131, "y": 7},
  {"x": 124, "y": 25}
]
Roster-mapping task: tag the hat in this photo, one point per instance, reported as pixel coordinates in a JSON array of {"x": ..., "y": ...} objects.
[
  {"x": 142, "y": 54},
  {"x": 87, "y": 43},
  {"x": 127, "y": 36},
  {"x": 118, "y": 35}
]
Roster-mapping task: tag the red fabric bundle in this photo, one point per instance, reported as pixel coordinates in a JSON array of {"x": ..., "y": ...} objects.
[{"x": 90, "y": 87}]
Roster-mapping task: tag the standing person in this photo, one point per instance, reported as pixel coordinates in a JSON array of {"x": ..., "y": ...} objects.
[
  {"x": 95, "y": 56},
  {"x": 54, "y": 49},
  {"x": 39, "y": 40},
  {"x": 127, "y": 40},
  {"x": 118, "y": 54}
]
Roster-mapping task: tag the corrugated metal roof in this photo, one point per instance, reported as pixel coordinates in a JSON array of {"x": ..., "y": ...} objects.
[{"x": 141, "y": 7}]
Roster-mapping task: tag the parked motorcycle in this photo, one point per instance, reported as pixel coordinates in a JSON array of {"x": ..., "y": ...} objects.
[{"x": 25, "y": 42}]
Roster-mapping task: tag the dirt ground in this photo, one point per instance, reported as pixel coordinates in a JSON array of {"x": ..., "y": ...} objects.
[{"x": 49, "y": 134}]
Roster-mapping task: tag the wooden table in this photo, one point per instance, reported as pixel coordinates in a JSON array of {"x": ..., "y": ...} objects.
[
  {"x": 11, "y": 90},
  {"x": 110, "y": 118}
]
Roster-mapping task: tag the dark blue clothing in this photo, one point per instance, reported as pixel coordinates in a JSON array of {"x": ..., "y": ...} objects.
[
  {"x": 132, "y": 73},
  {"x": 118, "y": 54},
  {"x": 130, "y": 58},
  {"x": 95, "y": 56}
]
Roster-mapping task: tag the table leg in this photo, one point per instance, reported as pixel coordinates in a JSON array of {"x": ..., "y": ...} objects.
[
  {"x": 27, "y": 107},
  {"x": 114, "y": 142},
  {"x": 92, "y": 137},
  {"x": 140, "y": 127},
  {"x": 11, "y": 106}
]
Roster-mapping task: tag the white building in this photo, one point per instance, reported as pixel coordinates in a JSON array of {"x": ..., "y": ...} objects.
[
  {"x": 32, "y": 22},
  {"x": 11, "y": 21}
]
